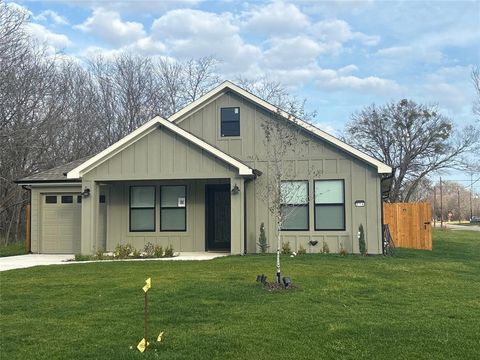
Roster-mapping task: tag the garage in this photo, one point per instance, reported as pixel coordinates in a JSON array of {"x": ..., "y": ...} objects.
[{"x": 60, "y": 223}]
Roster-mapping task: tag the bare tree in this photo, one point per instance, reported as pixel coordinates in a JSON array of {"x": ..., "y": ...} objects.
[
  {"x": 414, "y": 139},
  {"x": 200, "y": 76}
]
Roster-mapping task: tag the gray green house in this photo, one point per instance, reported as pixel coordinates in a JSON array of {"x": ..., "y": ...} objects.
[{"x": 193, "y": 181}]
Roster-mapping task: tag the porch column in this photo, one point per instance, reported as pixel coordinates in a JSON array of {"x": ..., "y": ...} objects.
[
  {"x": 237, "y": 215},
  {"x": 89, "y": 218}
]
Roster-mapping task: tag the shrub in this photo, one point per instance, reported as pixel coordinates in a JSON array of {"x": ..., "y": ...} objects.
[
  {"x": 169, "y": 251},
  {"x": 343, "y": 251},
  {"x": 158, "y": 251},
  {"x": 325, "y": 248},
  {"x": 301, "y": 250},
  {"x": 136, "y": 254},
  {"x": 286, "y": 248},
  {"x": 99, "y": 255},
  {"x": 80, "y": 257},
  {"x": 262, "y": 239},
  {"x": 123, "y": 251},
  {"x": 149, "y": 249},
  {"x": 361, "y": 241}
]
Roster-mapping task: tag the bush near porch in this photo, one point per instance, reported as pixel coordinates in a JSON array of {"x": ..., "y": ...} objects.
[{"x": 418, "y": 304}]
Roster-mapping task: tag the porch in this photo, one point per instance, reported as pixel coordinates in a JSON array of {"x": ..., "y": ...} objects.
[{"x": 191, "y": 215}]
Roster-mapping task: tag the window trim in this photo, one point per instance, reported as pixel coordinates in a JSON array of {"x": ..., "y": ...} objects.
[
  {"x": 66, "y": 197},
  {"x": 149, "y": 207},
  {"x": 229, "y": 121},
  {"x": 329, "y": 204},
  {"x": 51, "y": 196},
  {"x": 307, "y": 205},
  {"x": 173, "y": 207}
]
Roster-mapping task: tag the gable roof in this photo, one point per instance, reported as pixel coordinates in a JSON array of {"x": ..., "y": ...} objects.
[
  {"x": 144, "y": 130},
  {"x": 229, "y": 86}
]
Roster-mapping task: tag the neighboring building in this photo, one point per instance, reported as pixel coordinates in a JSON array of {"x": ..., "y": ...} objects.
[{"x": 193, "y": 181}]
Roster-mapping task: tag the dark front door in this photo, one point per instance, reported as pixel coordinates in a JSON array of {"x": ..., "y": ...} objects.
[{"x": 217, "y": 205}]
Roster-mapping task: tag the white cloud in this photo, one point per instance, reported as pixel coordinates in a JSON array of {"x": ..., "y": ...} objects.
[
  {"x": 279, "y": 55},
  {"x": 346, "y": 70},
  {"x": 277, "y": 17},
  {"x": 47, "y": 37},
  {"x": 194, "y": 33},
  {"x": 51, "y": 16},
  {"x": 339, "y": 31},
  {"x": 109, "y": 26},
  {"x": 411, "y": 53}
]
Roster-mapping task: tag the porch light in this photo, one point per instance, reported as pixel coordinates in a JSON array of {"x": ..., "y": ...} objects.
[
  {"x": 235, "y": 190},
  {"x": 86, "y": 192}
]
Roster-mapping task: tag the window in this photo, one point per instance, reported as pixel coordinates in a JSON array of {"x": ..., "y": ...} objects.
[
  {"x": 67, "y": 199},
  {"x": 142, "y": 208},
  {"x": 294, "y": 205},
  {"x": 329, "y": 205},
  {"x": 50, "y": 199},
  {"x": 173, "y": 215},
  {"x": 101, "y": 199},
  {"x": 79, "y": 199},
  {"x": 230, "y": 121}
]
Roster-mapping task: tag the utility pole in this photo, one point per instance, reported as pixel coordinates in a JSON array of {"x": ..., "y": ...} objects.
[
  {"x": 458, "y": 201},
  {"x": 434, "y": 206},
  {"x": 441, "y": 204}
]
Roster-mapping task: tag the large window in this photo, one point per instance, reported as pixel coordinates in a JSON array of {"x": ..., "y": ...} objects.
[
  {"x": 329, "y": 205},
  {"x": 230, "y": 121},
  {"x": 142, "y": 208},
  {"x": 173, "y": 215},
  {"x": 294, "y": 207}
]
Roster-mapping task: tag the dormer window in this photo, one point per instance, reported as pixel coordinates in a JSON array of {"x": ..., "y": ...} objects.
[{"x": 230, "y": 121}]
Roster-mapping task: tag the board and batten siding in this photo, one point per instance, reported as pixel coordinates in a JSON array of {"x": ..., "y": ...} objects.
[
  {"x": 161, "y": 154},
  {"x": 312, "y": 159}
]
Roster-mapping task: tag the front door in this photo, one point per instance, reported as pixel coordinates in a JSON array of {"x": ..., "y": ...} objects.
[{"x": 217, "y": 216}]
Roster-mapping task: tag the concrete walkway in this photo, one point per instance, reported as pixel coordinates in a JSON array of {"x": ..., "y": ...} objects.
[
  {"x": 463, "y": 227},
  {"x": 31, "y": 260}
]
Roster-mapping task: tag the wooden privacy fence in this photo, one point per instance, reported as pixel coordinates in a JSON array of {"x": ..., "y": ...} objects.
[{"x": 409, "y": 224}]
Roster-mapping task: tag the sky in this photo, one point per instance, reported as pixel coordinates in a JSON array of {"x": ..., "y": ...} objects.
[{"x": 339, "y": 55}]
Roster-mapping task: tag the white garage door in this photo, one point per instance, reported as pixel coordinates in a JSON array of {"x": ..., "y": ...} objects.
[{"x": 61, "y": 216}]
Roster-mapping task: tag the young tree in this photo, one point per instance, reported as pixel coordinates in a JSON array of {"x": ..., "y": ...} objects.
[{"x": 414, "y": 139}]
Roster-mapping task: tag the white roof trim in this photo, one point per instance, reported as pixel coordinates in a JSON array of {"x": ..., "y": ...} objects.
[
  {"x": 145, "y": 130},
  {"x": 227, "y": 85}
]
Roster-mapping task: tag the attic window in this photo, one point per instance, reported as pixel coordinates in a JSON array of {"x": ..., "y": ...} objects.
[{"x": 230, "y": 121}]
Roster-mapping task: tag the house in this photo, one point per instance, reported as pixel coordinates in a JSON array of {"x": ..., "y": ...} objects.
[{"x": 193, "y": 181}]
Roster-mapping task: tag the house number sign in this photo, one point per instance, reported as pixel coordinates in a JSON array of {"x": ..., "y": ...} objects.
[{"x": 359, "y": 203}]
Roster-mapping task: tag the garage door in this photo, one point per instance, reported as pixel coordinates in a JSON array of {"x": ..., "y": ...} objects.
[{"x": 61, "y": 216}]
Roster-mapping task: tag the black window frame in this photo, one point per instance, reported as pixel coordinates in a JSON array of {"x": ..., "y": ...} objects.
[
  {"x": 142, "y": 207},
  {"x": 328, "y": 204},
  {"x": 79, "y": 199},
  {"x": 101, "y": 199},
  {"x": 307, "y": 205},
  {"x": 49, "y": 197},
  {"x": 173, "y": 207},
  {"x": 222, "y": 121},
  {"x": 66, "y": 198}
]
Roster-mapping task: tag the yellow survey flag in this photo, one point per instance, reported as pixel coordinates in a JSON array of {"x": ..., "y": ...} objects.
[
  {"x": 160, "y": 336},
  {"x": 148, "y": 284},
  {"x": 142, "y": 345}
]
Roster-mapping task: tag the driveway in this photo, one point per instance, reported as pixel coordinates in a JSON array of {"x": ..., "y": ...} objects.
[
  {"x": 463, "y": 227},
  {"x": 30, "y": 260}
]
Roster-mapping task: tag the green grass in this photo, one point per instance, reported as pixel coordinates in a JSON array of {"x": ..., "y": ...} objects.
[
  {"x": 417, "y": 305},
  {"x": 12, "y": 249}
]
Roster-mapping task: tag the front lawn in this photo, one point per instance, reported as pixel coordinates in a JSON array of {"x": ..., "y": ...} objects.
[
  {"x": 417, "y": 305},
  {"x": 12, "y": 249}
]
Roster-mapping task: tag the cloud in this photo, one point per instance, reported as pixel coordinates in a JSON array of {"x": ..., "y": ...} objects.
[
  {"x": 109, "y": 26},
  {"x": 194, "y": 33},
  {"x": 51, "y": 16},
  {"x": 279, "y": 55},
  {"x": 275, "y": 18},
  {"x": 339, "y": 31},
  {"x": 47, "y": 37}
]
